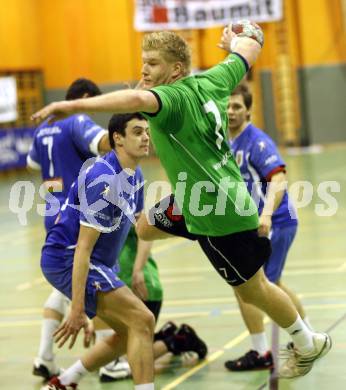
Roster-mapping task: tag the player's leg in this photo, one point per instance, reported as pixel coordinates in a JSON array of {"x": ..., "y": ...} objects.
[
  {"x": 238, "y": 258},
  {"x": 259, "y": 357},
  {"x": 117, "y": 306},
  {"x": 139, "y": 322},
  {"x": 115, "y": 369},
  {"x": 120, "y": 368},
  {"x": 53, "y": 313},
  {"x": 282, "y": 239},
  {"x": 164, "y": 220},
  {"x": 133, "y": 326}
]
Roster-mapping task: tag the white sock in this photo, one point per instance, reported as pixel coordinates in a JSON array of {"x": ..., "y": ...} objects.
[
  {"x": 307, "y": 323},
  {"x": 259, "y": 342},
  {"x": 103, "y": 333},
  {"x": 49, "y": 326},
  {"x": 73, "y": 374},
  {"x": 301, "y": 335},
  {"x": 147, "y": 386}
]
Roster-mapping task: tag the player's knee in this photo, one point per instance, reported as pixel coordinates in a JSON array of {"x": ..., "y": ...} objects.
[
  {"x": 143, "y": 321},
  {"x": 246, "y": 295},
  {"x": 249, "y": 293},
  {"x": 148, "y": 320},
  {"x": 57, "y": 302}
]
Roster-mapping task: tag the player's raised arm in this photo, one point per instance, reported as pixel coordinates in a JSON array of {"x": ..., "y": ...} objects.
[
  {"x": 118, "y": 102},
  {"x": 244, "y": 38}
]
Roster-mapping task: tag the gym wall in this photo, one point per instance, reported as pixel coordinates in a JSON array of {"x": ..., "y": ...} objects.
[{"x": 299, "y": 81}]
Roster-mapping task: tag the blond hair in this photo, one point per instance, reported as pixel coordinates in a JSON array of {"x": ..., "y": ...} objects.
[{"x": 172, "y": 47}]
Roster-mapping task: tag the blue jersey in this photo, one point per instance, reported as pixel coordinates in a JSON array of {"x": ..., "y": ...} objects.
[
  {"x": 258, "y": 159},
  {"x": 60, "y": 150},
  {"x": 104, "y": 197}
]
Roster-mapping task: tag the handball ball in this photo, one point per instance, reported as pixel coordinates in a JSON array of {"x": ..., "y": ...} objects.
[{"x": 246, "y": 28}]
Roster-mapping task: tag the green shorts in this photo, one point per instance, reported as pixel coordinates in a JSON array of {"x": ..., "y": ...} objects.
[{"x": 151, "y": 273}]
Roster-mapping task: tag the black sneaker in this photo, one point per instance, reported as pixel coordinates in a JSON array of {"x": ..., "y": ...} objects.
[
  {"x": 45, "y": 369},
  {"x": 186, "y": 339},
  {"x": 252, "y": 360},
  {"x": 167, "y": 330}
]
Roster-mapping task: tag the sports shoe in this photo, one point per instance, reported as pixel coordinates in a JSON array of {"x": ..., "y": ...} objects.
[
  {"x": 45, "y": 368},
  {"x": 251, "y": 361},
  {"x": 167, "y": 330},
  {"x": 186, "y": 339},
  {"x": 54, "y": 384},
  {"x": 118, "y": 369},
  {"x": 298, "y": 364}
]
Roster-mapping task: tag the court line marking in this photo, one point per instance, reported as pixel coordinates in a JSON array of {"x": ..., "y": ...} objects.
[
  {"x": 167, "y": 315},
  {"x": 232, "y": 299},
  {"x": 291, "y": 265},
  {"x": 174, "y": 242},
  {"x": 289, "y": 272},
  {"x": 336, "y": 323},
  {"x": 200, "y": 302}
]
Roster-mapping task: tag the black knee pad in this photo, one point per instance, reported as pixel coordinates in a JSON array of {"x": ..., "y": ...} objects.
[{"x": 166, "y": 216}]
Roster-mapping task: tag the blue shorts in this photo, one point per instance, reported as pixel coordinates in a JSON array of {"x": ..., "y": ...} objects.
[
  {"x": 281, "y": 241},
  {"x": 49, "y": 221},
  {"x": 57, "y": 266}
]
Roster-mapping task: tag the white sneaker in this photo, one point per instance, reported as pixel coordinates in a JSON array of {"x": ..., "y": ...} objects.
[
  {"x": 298, "y": 364},
  {"x": 45, "y": 368},
  {"x": 118, "y": 369}
]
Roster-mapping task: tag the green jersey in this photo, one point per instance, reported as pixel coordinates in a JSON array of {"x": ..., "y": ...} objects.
[
  {"x": 189, "y": 135},
  {"x": 151, "y": 273}
]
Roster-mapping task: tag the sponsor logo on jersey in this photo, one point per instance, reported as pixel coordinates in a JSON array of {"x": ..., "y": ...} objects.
[
  {"x": 48, "y": 131},
  {"x": 162, "y": 218},
  {"x": 239, "y": 157},
  {"x": 261, "y": 145},
  {"x": 223, "y": 162},
  {"x": 271, "y": 159}
]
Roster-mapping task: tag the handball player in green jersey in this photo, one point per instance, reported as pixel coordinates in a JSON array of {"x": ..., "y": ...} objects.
[{"x": 188, "y": 124}]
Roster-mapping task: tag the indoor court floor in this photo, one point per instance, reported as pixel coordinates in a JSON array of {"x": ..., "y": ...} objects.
[{"x": 194, "y": 293}]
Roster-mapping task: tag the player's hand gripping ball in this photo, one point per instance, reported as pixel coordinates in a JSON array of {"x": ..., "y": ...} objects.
[{"x": 246, "y": 28}]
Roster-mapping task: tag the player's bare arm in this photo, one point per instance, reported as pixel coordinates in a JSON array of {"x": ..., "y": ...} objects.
[
  {"x": 119, "y": 102},
  {"x": 77, "y": 318},
  {"x": 138, "y": 282},
  {"x": 275, "y": 192}
]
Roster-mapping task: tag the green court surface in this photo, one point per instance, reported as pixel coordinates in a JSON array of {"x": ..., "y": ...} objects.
[{"x": 194, "y": 293}]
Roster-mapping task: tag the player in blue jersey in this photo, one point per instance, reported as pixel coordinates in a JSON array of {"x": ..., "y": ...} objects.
[
  {"x": 79, "y": 257},
  {"x": 263, "y": 171},
  {"x": 59, "y": 151}
]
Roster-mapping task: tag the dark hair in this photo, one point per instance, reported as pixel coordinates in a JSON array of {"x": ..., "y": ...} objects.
[
  {"x": 243, "y": 90},
  {"x": 118, "y": 123},
  {"x": 80, "y": 87}
]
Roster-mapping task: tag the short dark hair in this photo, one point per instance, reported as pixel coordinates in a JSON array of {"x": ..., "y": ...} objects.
[
  {"x": 80, "y": 87},
  {"x": 243, "y": 90},
  {"x": 118, "y": 122}
]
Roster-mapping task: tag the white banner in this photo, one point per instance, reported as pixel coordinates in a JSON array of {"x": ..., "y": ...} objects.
[
  {"x": 8, "y": 99},
  {"x": 154, "y": 15}
]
